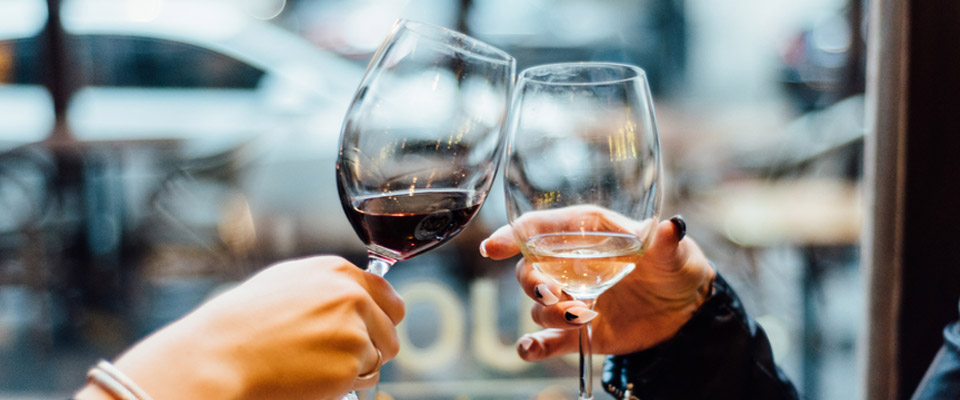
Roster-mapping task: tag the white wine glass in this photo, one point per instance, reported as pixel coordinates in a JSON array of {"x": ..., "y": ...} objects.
[
  {"x": 421, "y": 142},
  {"x": 582, "y": 178}
]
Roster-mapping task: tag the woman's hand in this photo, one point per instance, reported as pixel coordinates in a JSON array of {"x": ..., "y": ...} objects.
[
  {"x": 303, "y": 329},
  {"x": 647, "y": 307}
]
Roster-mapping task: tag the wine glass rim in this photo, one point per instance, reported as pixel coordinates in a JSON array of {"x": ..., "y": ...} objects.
[
  {"x": 535, "y": 73},
  {"x": 477, "y": 48}
]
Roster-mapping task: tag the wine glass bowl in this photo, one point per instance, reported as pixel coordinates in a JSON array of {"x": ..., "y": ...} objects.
[
  {"x": 582, "y": 177},
  {"x": 588, "y": 253},
  {"x": 421, "y": 140}
]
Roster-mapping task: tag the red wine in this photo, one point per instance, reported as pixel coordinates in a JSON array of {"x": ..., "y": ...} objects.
[{"x": 400, "y": 225}]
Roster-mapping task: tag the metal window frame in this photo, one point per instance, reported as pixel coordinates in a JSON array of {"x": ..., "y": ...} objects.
[{"x": 912, "y": 269}]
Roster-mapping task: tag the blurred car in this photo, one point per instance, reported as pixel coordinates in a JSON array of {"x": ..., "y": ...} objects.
[
  {"x": 165, "y": 84},
  {"x": 201, "y": 144}
]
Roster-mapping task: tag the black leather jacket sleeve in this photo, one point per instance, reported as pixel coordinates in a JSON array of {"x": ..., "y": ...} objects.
[
  {"x": 942, "y": 380},
  {"x": 719, "y": 354}
]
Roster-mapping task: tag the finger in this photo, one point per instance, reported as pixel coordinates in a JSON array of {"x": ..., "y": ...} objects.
[
  {"x": 382, "y": 330},
  {"x": 666, "y": 250},
  {"x": 574, "y": 219},
  {"x": 372, "y": 368},
  {"x": 374, "y": 300},
  {"x": 679, "y": 226},
  {"x": 500, "y": 245},
  {"x": 385, "y": 296},
  {"x": 548, "y": 343},
  {"x": 563, "y": 315},
  {"x": 535, "y": 286}
]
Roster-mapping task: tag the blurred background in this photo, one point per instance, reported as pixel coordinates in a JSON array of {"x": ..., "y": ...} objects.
[{"x": 154, "y": 152}]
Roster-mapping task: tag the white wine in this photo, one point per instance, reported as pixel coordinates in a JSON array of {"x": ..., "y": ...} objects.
[{"x": 584, "y": 264}]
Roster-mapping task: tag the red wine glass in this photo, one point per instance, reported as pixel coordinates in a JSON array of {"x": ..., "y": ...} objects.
[{"x": 421, "y": 141}]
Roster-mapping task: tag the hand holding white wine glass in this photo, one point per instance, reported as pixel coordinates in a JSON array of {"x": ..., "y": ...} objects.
[
  {"x": 583, "y": 179},
  {"x": 421, "y": 141}
]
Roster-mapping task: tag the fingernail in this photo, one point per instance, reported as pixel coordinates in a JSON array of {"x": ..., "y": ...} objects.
[
  {"x": 579, "y": 315},
  {"x": 545, "y": 295},
  {"x": 680, "y": 226},
  {"x": 483, "y": 248},
  {"x": 525, "y": 343}
]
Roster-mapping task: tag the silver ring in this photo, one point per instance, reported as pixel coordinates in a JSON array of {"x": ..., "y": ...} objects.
[{"x": 376, "y": 370}]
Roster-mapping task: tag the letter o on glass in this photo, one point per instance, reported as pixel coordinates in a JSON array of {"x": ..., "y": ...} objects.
[{"x": 448, "y": 345}]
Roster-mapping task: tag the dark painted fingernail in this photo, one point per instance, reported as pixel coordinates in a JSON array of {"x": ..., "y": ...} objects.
[
  {"x": 525, "y": 343},
  {"x": 680, "y": 226},
  {"x": 529, "y": 345},
  {"x": 545, "y": 295},
  {"x": 579, "y": 315}
]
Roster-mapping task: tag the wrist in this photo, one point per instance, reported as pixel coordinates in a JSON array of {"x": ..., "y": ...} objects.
[
  {"x": 176, "y": 364},
  {"x": 707, "y": 287},
  {"x": 705, "y": 339}
]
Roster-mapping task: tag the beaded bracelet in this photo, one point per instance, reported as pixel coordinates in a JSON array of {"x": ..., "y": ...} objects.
[{"x": 118, "y": 385}]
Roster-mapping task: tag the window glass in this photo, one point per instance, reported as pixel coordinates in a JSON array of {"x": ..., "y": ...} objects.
[
  {"x": 197, "y": 141},
  {"x": 28, "y": 110}
]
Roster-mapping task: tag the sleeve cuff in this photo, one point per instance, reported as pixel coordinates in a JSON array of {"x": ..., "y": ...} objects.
[{"x": 693, "y": 348}]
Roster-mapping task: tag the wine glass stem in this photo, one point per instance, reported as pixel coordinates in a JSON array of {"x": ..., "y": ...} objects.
[
  {"x": 586, "y": 356},
  {"x": 378, "y": 265}
]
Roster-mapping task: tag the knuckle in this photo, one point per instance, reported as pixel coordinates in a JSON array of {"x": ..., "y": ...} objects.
[
  {"x": 356, "y": 298},
  {"x": 330, "y": 262},
  {"x": 337, "y": 263},
  {"x": 354, "y": 340},
  {"x": 399, "y": 312},
  {"x": 522, "y": 270},
  {"x": 549, "y": 348},
  {"x": 389, "y": 348}
]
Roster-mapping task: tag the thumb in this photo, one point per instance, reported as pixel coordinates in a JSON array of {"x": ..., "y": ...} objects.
[
  {"x": 548, "y": 343},
  {"x": 500, "y": 245},
  {"x": 666, "y": 250}
]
